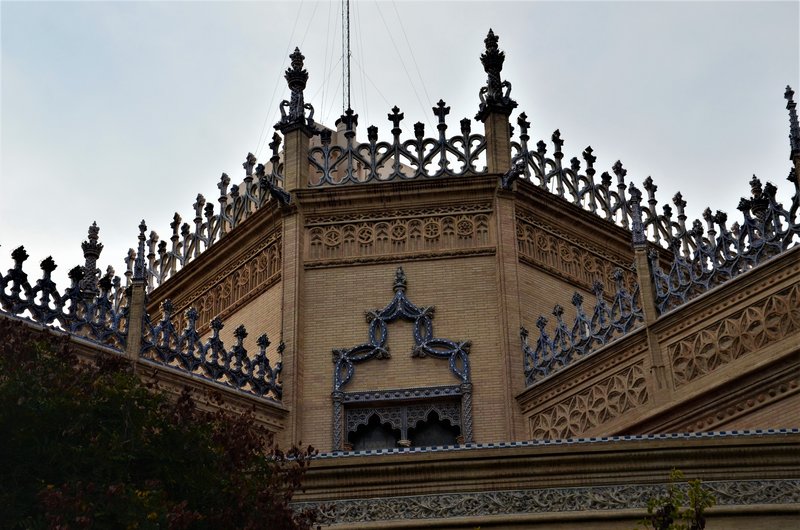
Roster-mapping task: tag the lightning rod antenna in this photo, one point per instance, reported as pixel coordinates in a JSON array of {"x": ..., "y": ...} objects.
[{"x": 345, "y": 55}]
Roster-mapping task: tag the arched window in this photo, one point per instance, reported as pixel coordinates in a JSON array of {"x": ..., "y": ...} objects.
[
  {"x": 374, "y": 435},
  {"x": 433, "y": 432}
]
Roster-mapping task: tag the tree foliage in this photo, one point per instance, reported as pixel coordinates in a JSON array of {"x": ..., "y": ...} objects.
[
  {"x": 682, "y": 508},
  {"x": 88, "y": 445}
]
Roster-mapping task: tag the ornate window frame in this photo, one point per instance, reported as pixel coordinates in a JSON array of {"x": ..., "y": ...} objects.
[{"x": 425, "y": 344}]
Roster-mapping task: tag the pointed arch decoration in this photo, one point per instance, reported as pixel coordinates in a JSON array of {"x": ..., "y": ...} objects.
[{"x": 425, "y": 345}]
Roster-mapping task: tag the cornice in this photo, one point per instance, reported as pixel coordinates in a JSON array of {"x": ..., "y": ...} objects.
[
  {"x": 573, "y": 219},
  {"x": 269, "y": 413},
  {"x": 569, "y": 463},
  {"x": 397, "y": 258},
  {"x": 716, "y": 406},
  {"x": 723, "y": 300},
  {"x": 623, "y": 260},
  {"x": 618, "y": 354},
  {"x": 416, "y": 193}
]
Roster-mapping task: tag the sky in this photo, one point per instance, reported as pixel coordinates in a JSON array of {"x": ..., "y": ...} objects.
[{"x": 116, "y": 112}]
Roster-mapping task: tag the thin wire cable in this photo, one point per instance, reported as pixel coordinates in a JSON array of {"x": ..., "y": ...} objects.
[
  {"x": 375, "y": 86},
  {"x": 319, "y": 88},
  {"x": 399, "y": 55},
  {"x": 333, "y": 99},
  {"x": 411, "y": 50},
  {"x": 360, "y": 40},
  {"x": 325, "y": 64},
  {"x": 259, "y": 146},
  {"x": 345, "y": 79},
  {"x": 329, "y": 58},
  {"x": 332, "y": 66},
  {"x": 310, "y": 20}
]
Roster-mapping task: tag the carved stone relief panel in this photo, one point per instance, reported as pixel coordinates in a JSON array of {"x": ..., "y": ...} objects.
[
  {"x": 235, "y": 286},
  {"x": 543, "y": 246},
  {"x": 602, "y": 402},
  {"x": 432, "y": 231},
  {"x": 742, "y": 333},
  {"x": 542, "y": 501}
]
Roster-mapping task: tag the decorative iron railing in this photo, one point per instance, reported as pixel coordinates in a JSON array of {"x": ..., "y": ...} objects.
[
  {"x": 548, "y": 172},
  {"x": 701, "y": 256},
  {"x": 186, "y": 350},
  {"x": 588, "y": 333},
  {"x": 417, "y": 157},
  {"x": 719, "y": 253},
  {"x": 236, "y": 204},
  {"x": 608, "y": 198},
  {"x": 100, "y": 309},
  {"x": 100, "y": 316}
]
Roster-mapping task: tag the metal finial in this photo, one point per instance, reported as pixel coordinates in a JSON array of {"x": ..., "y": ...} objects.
[
  {"x": 350, "y": 120},
  {"x": 296, "y": 77},
  {"x": 399, "y": 280},
  {"x": 274, "y": 146},
  {"x": 48, "y": 265},
  {"x": 91, "y": 252},
  {"x": 297, "y": 59},
  {"x": 91, "y": 247},
  {"x": 637, "y": 224},
  {"x": 794, "y": 128},
  {"x": 493, "y": 99},
  {"x": 138, "y": 268},
  {"x": 249, "y": 164}
]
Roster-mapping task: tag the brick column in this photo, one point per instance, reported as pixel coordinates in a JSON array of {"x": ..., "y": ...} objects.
[
  {"x": 494, "y": 111},
  {"x": 660, "y": 384},
  {"x": 135, "y": 320},
  {"x": 497, "y": 131},
  {"x": 291, "y": 321},
  {"x": 296, "y": 170},
  {"x": 509, "y": 309},
  {"x": 297, "y": 129},
  {"x": 136, "y": 302}
]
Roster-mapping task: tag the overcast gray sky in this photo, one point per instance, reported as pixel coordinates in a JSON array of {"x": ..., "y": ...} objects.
[{"x": 118, "y": 111}]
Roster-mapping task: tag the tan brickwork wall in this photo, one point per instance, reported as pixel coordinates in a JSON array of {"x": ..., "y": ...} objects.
[
  {"x": 782, "y": 414},
  {"x": 540, "y": 292},
  {"x": 463, "y": 291},
  {"x": 261, "y": 315}
]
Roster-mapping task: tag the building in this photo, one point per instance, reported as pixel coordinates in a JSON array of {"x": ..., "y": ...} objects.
[{"x": 454, "y": 403}]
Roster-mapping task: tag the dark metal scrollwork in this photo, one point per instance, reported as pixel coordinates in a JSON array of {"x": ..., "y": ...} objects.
[
  {"x": 587, "y": 334},
  {"x": 425, "y": 344},
  {"x": 718, "y": 253},
  {"x": 262, "y": 185},
  {"x": 209, "y": 359},
  {"x": 296, "y": 78},
  {"x": 493, "y": 98},
  {"x": 399, "y": 159},
  {"x": 95, "y": 309},
  {"x": 602, "y": 198}
]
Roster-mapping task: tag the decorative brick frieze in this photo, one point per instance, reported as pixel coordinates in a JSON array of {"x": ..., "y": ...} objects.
[
  {"x": 744, "y": 332},
  {"x": 600, "y": 403},
  {"x": 431, "y": 232},
  {"x": 234, "y": 286},
  {"x": 542, "y": 501},
  {"x": 545, "y": 247}
]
